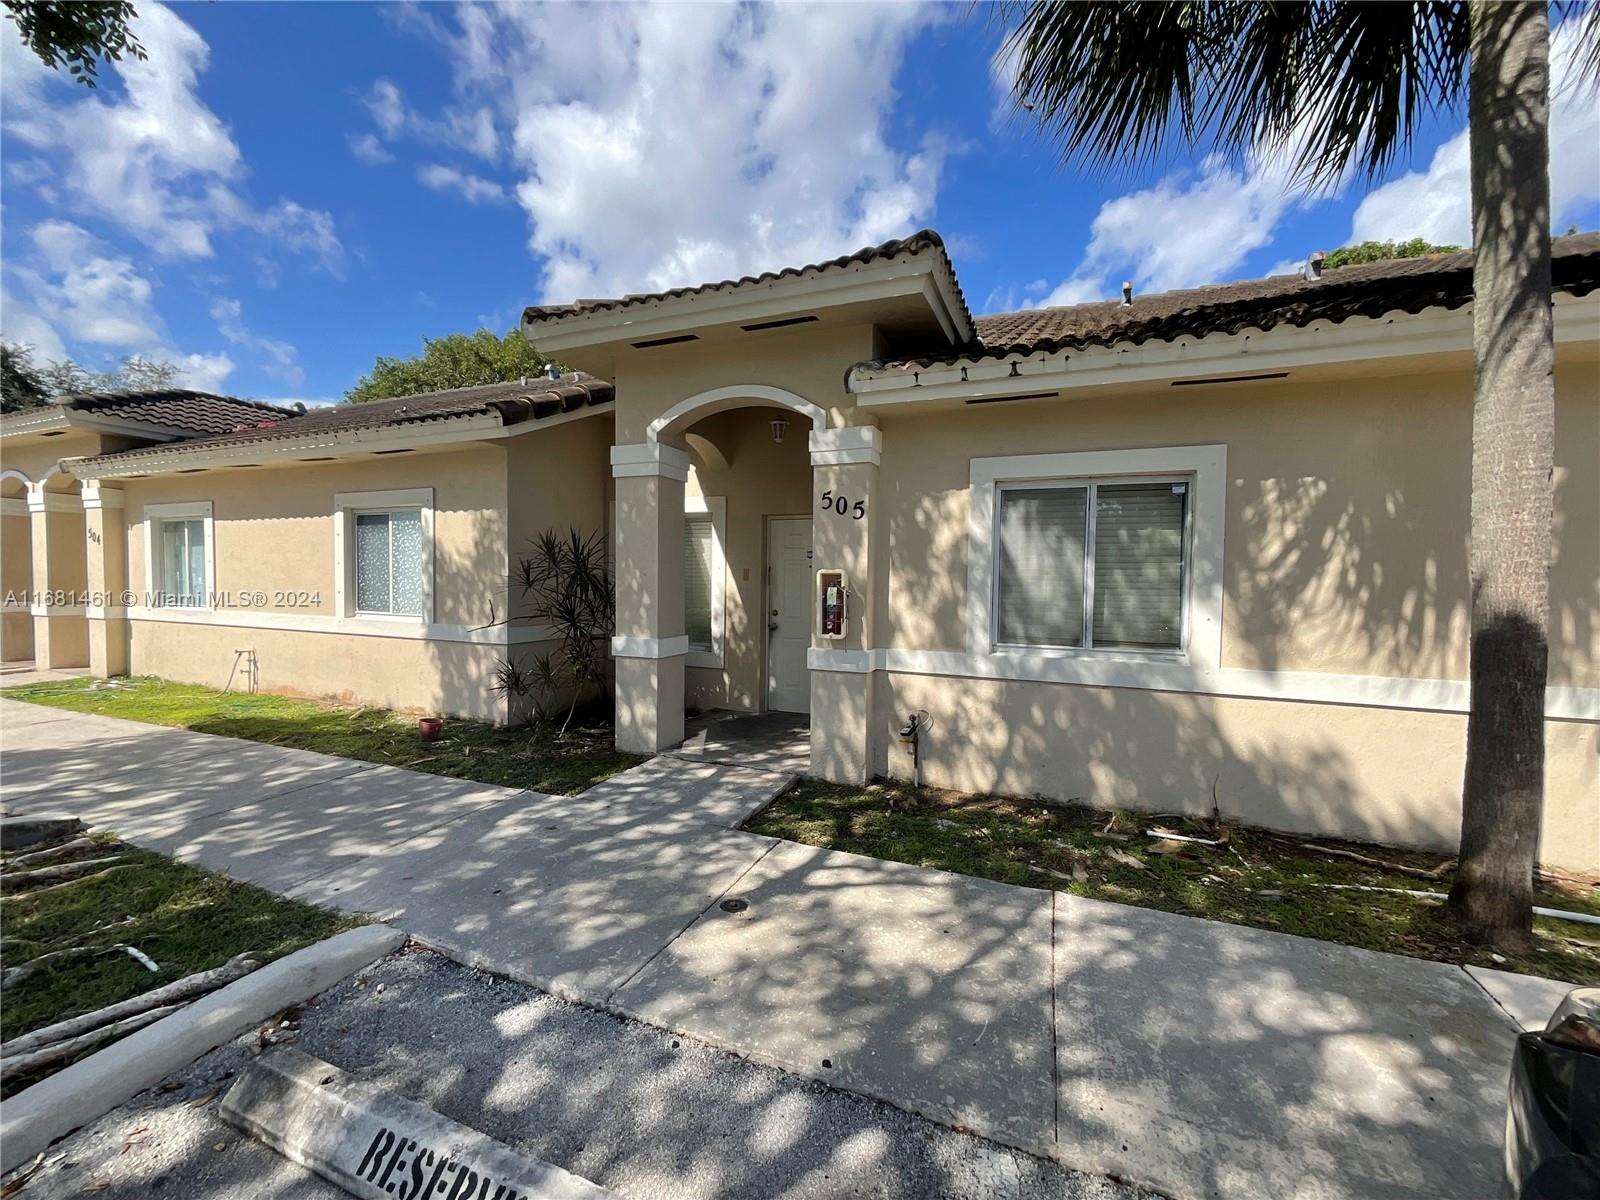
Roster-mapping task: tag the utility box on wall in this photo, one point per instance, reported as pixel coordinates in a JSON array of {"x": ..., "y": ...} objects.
[{"x": 832, "y": 592}]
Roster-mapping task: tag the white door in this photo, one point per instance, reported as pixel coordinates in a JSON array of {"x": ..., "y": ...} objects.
[{"x": 788, "y": 614}]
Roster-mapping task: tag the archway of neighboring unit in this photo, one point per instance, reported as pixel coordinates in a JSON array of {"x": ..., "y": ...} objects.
[{"x": 16, "y": 567}]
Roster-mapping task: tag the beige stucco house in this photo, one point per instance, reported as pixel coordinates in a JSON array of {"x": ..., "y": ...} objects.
[{"x": 1166, "y": 551}]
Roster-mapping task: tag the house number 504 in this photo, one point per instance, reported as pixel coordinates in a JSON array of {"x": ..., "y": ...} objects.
[{"x": 842, "y": 505}]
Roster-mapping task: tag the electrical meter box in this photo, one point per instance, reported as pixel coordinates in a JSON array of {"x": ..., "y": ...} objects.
[{"x": 831, "y": 596}]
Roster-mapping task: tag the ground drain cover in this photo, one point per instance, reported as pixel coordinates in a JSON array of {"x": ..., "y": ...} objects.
[{"x": 734, "y": 905}]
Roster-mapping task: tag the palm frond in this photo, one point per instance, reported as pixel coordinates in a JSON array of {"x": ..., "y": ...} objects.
[{"x": 1335, "y": 85}]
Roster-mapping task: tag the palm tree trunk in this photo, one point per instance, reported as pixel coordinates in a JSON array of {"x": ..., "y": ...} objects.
[{"x": 1513, "y": 448}]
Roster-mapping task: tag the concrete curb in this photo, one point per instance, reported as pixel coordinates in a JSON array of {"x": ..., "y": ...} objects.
[
  {"x": 93, "y": 1086},
  {"x": 379, "y": 1145}
]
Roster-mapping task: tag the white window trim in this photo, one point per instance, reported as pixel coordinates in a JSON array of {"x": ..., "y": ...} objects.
[
  {"x": 1207, "y": 469},
  {"x": 347, "y": 505},
  {"x": 717, "y": 506},
  {"x": 186, "y": 511}
]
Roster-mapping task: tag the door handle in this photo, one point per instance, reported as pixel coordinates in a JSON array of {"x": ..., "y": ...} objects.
[{"x": 772, "y": 627}]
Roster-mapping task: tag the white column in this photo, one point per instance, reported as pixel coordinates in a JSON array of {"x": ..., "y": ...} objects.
[
  {"x": 650, "y": 645},
  {"x": 106, "y": 531},
  {"x": 844, "y": 720},
  {"x": 60, "y": 578}
]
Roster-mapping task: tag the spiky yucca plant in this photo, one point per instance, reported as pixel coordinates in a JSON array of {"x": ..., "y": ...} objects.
[{"x": 565, "y": 585}]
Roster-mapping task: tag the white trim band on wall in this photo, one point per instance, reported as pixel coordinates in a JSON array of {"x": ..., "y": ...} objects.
[
  {"x": 647, "y": 647},
  {"x": 57, "y": 610},
  {"x": 56, "y": 502},
  {"x": 1298, "y": 687},
  {"x": 322, "y": 623},
  {"x": 844, "y": 447},
  {"x": 95, "y": 496},
  {"x": 647, "y": 459}
]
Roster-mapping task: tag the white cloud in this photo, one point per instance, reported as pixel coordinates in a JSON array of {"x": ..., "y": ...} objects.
[
  {"x": 471, "y": 128},
  {"x": 22, "y": 325},
  {"x": 72, "y": 295},
  {"x": 673, "y": 144},
  {"x": 153, "y": 160},
  {"x": 279, "y": 359},
  {"x": 1192, "y": 228},
  {"x": 1004, "y": 64},
  {"x": 1187, "y": 229},
  {"x": 1436, "y": 204},
  {"x": 387, "y": 107},
  {"x": 1011, "y": 298},
  {"x": 85, "y": 292},
  {"x": 202, "y": 372},
  {"x": 473, "y": 188},
  {"x": 370, "y": 150}
]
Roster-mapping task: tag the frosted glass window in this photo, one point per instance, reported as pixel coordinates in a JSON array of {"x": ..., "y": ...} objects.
[
  {"x": 697, "y": 565},
  {"x": 1092, "y": 565},
  {"x": 180, "y": 551},
  {"x": 389, "y": 562}
]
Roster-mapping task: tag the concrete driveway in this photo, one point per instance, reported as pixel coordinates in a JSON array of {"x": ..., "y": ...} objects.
[{"x": 1199, "y": 1059}]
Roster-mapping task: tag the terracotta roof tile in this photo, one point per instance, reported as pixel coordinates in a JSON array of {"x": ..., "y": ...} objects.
[
  {"x": 923, "y": 240},
  {"x": 515, "y": 402},
  {"x": 1368, "y": 290},
  {"x": 176, "y": 408}
]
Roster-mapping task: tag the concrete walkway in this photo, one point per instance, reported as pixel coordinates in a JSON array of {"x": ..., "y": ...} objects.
[{"x": 1197, "y": 1058}]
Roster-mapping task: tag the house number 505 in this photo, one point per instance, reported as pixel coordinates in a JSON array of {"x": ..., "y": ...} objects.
[{"x": 842, "y": 505}]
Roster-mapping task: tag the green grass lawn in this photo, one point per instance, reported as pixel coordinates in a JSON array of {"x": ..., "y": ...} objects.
[
  {"x": 1257, "y": 878},
  {"x": 541, "y": 759},
  {"x": 185, "y": 918}
]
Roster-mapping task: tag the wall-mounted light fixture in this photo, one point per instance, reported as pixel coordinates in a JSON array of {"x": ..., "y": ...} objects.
[{"x": 780, "y": 426}]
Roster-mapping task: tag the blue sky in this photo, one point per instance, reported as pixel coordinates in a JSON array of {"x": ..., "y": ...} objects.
[{"x": 283, "y": 192}]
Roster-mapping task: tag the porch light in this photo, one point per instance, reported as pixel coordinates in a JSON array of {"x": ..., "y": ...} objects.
[{"x": 779, "y": 426}]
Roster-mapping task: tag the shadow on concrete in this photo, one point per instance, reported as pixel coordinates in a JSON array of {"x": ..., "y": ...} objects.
[
  {"x": 1198, "y": 1058},
  {"x": 774, "y": 741}
]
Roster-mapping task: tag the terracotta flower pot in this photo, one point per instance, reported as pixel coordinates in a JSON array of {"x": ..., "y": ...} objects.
[{"x": 429, "y": 729}]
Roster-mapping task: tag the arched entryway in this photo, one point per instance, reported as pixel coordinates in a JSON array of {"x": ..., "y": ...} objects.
[
  {"x": 769, "y": 467},
  {"x": 16, "y": 568},
  {"x": 60, "y": 564},
  {"x": 714, "y": 561}
]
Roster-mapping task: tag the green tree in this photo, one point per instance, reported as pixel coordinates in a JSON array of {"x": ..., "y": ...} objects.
[
  {"x": 450, "y": 362},
  {"x": 76, "y": 33},
  {"x": 135, "y": 374},
  {"x": 20, "y": 383},
  {"x": 1341, "y": 85},
  {"x": 1370, "y": 252}
]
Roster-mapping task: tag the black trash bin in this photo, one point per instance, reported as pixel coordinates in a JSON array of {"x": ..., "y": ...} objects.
[{"x": 1553, "y": 1112}]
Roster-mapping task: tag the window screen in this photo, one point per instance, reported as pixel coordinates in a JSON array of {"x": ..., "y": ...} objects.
[
  {"x": 1042, "y": 537},
  {"x": 181, "y": 562},
  {"x": 1138, "y": 565},
  {"x": 1128, "y": 538},
  {"x": 697, "y": 566}
]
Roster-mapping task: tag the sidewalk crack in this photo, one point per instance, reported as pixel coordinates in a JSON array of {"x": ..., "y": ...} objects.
[
  {"x": 1495, "y": 1000},
  {"x": 1055, "y": 1057},
  {"x": 715, "y": 900}
]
